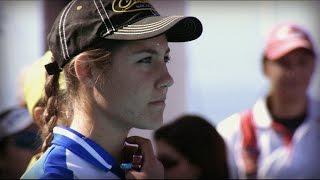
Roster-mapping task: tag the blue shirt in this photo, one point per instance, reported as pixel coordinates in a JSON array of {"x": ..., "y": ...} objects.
[{"x": 74, "y": 156}]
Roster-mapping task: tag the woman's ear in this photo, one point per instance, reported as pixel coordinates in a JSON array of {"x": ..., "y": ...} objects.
[
  {"x": 83, "y": 70},
  {"x": 37, "y": 112}
]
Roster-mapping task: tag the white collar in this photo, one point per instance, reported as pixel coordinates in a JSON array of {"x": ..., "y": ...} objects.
[
  {"x": 83, "y": 143},
  {"x": 261, "y": 114},
  {"x": 263, "y": 118}
]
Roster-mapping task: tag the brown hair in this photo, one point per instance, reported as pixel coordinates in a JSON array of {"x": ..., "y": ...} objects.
[{"x": 199, "y": 142}]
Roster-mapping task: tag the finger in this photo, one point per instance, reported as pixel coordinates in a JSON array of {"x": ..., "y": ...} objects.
[
  {"x": 130, "y": 175},
  {"x": 135, "y": 175},
  {"x": 145, "y": 145}
]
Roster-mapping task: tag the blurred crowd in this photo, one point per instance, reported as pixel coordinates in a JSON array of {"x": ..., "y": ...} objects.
[{"x": 278, "y": 137}]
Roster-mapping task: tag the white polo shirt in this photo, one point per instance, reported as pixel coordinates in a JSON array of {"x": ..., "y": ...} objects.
[
  {"x": 301, "y": 161},
  {"x": 270, "y": 143}
]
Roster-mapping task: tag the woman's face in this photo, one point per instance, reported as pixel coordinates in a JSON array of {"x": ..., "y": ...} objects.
[
  {"x": 134, "y": 90},
  {"x": 176, "y": 166}
]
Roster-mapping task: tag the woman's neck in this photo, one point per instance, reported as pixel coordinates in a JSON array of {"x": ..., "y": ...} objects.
[
  {"x": 287, "y": 108},
  {"x": 96, "y": 125}
]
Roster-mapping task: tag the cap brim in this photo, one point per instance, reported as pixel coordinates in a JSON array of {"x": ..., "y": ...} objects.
[
  {"x": 277, "y": 52},
  {"x": 17, "y": 120},
  {"x": 176, "y": 28}
]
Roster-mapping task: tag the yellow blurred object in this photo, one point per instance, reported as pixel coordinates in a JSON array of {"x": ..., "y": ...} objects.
[
  {"x": 33, "y": 86},
  {"x": 33, "y": 160}
]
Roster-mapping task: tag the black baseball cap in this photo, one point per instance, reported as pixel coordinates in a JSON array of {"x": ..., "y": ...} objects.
[{"x": 82, "y": 23}]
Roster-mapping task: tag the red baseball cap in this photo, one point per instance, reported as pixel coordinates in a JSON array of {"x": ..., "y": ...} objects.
[{"x": 284, "y": 38}]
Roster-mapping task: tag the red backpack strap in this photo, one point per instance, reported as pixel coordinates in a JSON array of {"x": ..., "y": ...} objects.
[{"x": 250, "y": 150}]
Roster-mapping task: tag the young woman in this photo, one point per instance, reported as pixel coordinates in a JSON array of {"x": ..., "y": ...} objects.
[{"x": 113, "y": 55}]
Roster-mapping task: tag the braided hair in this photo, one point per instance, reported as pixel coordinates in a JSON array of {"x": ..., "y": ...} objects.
[{"x": 57, "y": 111}]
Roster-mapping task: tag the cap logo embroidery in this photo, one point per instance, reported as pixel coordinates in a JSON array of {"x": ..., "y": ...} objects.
[
  {"x": 131, "y": 5},
  {"x": 79, "y": 8},
  {"x": 288, "y": 32}
]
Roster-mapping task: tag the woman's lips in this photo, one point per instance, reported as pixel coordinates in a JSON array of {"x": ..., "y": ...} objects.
[{"x": 158, "y": 103}]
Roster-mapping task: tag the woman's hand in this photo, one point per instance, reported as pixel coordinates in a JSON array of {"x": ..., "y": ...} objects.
[{"x": 152, "y": 167}]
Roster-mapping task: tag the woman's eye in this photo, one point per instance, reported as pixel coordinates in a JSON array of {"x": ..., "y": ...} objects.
[
  {"x": 147, "y": 60},
  {"x": 168, "y": 163}
]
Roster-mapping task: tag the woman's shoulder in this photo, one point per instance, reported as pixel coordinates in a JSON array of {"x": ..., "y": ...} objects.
[{"x": 52, "y": 164}]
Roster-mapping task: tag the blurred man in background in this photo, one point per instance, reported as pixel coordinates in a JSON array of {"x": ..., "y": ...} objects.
[
  {"x": 275, "y": 120},
  {"x": 19, "y": 136},
  {"x": 19, "y": 141}
]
